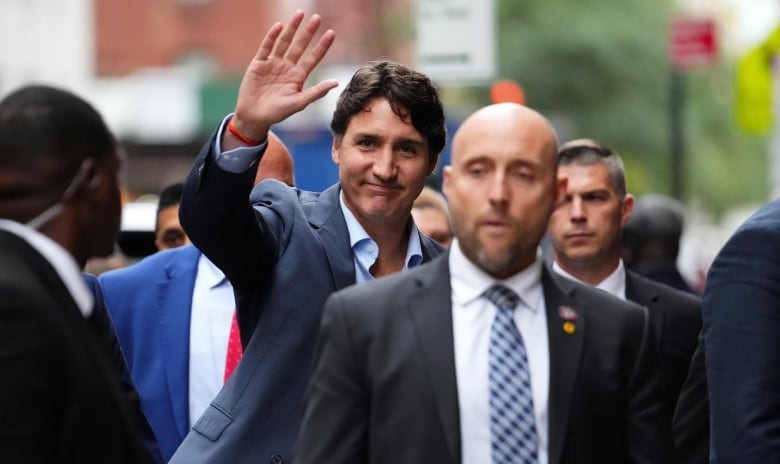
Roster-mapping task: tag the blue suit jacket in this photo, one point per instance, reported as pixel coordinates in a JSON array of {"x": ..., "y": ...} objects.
[
  {"x": 285, "y": 251},
  {"x": 741, "y": 309},
  {"x": 150, "y": 304}
]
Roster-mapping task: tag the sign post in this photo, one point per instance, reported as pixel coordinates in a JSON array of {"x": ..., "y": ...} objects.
[{"x": 692, "y": 44}]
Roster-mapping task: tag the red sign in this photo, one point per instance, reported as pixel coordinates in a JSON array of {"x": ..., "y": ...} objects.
[{"x": 692, "y": 43}]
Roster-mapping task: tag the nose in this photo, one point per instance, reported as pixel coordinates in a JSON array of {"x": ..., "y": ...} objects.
[
  {"x": 577, "y": 210},
  {"x": 384, "y": 167},
  {"x": 498, "y": 192}
]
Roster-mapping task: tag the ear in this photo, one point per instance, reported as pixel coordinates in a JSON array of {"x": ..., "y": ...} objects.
[
  {"x": 432, "y": 162},
  {"x": 445, "y": 186},
  {"x": 560, "y": 190},
  {"x": 334, "y": 149},
  {"x": 626, "y": 209}
]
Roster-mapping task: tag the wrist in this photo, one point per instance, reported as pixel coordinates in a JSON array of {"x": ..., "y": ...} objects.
[{"x": 240, "y": 132}]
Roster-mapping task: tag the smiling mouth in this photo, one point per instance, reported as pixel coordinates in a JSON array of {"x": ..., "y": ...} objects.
[{"x": 381, "y": 188}]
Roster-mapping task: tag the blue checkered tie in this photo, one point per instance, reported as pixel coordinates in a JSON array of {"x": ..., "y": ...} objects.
[{"x": 512, "y": 423}]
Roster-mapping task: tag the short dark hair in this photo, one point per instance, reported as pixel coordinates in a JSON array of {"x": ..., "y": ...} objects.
[
  {"x": 46, "y": 126},
  {"x": 170, "y": 196},
  {"x": 405, "y": 89},
  {"x": 586, "y": 152}
]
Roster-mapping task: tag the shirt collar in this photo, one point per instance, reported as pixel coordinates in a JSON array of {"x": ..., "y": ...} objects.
[
  {"x": 212, "y": 276},
  {"x": 469, "y": 282},
  {"x": 358, "y": 235},
  {"x": 60, "y": 259},
  {"x": 615, "y": 283}
]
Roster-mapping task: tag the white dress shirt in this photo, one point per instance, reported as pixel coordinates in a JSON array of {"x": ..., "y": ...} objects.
[
  {"x": 615, "y": 283},
  {"x": 472, "y": 318},
  {"x": 213, "y": 305},
  {"x": 60, "y": 259}
]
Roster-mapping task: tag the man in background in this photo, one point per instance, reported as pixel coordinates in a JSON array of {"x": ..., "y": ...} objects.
[
  {"x": 168, "y": 233},
  {"x": 432, "y": 216},
  {"x": 651, "y": 240},
  {"x": 586, "y": 231}
]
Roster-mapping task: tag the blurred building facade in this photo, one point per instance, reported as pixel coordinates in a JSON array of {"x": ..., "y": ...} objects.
[{"x": 164, "y": 73}]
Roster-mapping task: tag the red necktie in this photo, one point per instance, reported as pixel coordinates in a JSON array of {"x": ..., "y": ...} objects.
[{"x": 234, "y": 349}]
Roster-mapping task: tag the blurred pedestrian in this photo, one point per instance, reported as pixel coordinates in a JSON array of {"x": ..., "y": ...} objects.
[
  {"x": 651, "y": 240},
  {"x": 742, "y": 341},
  {"x": 60, "y": 395},
  {"x": 432, "y": 216}
]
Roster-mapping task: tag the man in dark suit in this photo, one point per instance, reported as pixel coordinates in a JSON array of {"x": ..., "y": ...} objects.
[
  {"x": 60, "y": 395},
  {"x": 742, "y": 342},
  {"x": 429, "y": 366},
  {"x": 586, "y": 231},
  {"x": 285, "y": 250}
]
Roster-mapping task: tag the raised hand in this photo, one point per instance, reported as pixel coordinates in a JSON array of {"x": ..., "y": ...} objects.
[{"x": 272, "y": 87}]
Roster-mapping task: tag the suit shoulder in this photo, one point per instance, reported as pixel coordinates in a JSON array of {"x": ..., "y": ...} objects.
[
  {"x": 598, "y": 300},
  {"x": 149, "y": 266},
  {"x": 676, "y": 296}
]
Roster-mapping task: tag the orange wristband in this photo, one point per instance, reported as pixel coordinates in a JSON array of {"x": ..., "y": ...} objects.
[{"x": 232, "y": 129}]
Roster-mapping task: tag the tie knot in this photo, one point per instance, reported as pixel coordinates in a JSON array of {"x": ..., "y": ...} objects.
[{"x": 503, "y": 297}]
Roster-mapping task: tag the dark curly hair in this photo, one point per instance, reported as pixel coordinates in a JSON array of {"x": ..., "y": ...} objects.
[{"x": 408, "y": 92}]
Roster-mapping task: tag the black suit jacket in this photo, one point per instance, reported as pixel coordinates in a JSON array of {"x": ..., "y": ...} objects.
[
  {"x": 60, "y": 399},
  {"x": 676, "y": 319},
  {"x": 384, "y": 387}
]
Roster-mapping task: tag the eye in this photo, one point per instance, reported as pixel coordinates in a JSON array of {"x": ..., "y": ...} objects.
[
  {"x": 366, "y": 143},
  {"x": 408, "y": 148},
  {"x": 595, "y": 197}
]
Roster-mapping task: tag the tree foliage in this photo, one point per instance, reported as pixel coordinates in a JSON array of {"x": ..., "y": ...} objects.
[{"x": 599, "y": 69}]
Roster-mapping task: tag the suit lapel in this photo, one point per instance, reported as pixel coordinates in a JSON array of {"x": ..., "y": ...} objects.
[
  {"x": 565, "y": 354},
  {"x": 430, "y": 309},
  {"x": 646, "y": 296},
  {"x": 326, "y": 216},
  {"x": 174, "y": 291}
]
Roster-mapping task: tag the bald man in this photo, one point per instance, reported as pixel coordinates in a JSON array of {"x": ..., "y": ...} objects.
[
  {"x": 447, "y": 362},
  {"x": 174, "y": 312}
]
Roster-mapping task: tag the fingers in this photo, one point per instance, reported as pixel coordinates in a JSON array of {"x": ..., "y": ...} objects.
[
  {"x": 318, "y": 52},
  {"x": 303, "y": 39},
  {"x": 268, "y": 41},
  {"x": 318, "y": 91},
  {"x": 288, "y": 33}
]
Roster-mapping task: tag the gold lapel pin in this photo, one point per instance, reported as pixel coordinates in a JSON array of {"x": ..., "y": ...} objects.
[{"x": 568, "y": 327}]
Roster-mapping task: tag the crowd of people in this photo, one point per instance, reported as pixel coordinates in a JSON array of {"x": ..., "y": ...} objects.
[{"x": 533, "y": 313}]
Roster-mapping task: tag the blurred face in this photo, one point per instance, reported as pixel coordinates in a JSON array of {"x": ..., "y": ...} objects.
[
  {"x": 502, "y": 187},
  {"x": 383, "y": 161},
  {"x": 169, "y": 233},
  {"x": 433, "y": 223},
  {"x": 586, "y": 227}
]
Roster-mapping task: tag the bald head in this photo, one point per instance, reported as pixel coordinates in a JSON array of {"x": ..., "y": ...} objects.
[
  {"x": 276, "y": 163},
  {"x": 494, "y": 126},
  {"x": 502, "y": 186}
]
